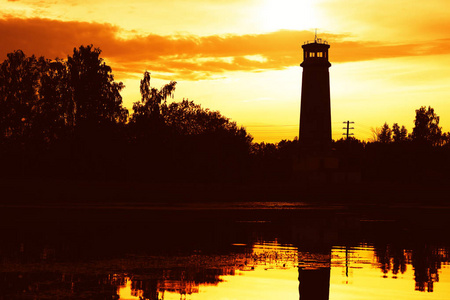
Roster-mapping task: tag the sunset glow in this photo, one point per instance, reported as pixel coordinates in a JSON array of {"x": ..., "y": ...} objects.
[
  {"x": 242, "y": 57},
  {"x": 289, "y": 14}
]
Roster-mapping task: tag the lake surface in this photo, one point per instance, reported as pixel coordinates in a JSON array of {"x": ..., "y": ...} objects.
[{"x": 224, "y": 251}]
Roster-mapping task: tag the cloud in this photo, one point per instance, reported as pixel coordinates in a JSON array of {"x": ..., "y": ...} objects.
[
  {"x": 399, "y": 20},
  {"x": 189, "y": 56},
  {"x": 50, "y": 38}
]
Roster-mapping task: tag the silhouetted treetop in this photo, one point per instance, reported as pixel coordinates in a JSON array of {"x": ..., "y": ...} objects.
[
  {"x": 152, "y": 115},
  {"x": 399, "y": 134},
  {"x": 385, "y": 134},
  {"x": 188, "y": 118},
  {"x": 96, "y": 97},
  {"x": 43, "y": 100},
  {"x": 153, "y": 101},
  {"x": 19, "y": 85},
  {"x": 426, "y": 127}
]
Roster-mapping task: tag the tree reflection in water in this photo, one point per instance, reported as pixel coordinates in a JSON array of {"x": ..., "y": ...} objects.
[
  {"x": 426, "y": 260},
  {"x": 151, "y": 255}
]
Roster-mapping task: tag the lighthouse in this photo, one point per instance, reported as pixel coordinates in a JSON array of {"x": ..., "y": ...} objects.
[{"x": 315, "y": 110}]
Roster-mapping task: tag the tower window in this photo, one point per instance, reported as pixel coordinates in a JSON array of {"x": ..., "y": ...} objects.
[
  {"x": 319, "y": 54},
  {"x": 312, "y": 54}
]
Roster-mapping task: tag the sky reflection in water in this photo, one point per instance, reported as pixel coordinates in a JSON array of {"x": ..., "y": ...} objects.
[
  {"x": 238, "y": 253},
  {"x": 271, "y": 272}
]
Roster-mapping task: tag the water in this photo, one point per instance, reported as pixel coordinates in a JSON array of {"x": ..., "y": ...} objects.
[{"x": 224, "y": 251}]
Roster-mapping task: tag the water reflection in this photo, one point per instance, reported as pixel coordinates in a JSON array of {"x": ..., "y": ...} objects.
[
  {"x": 234, "y": 254},
  {"x": 129, "y": 291},
  {"x": 426, "y": 260},
  {"x": 314, "y": 283}
]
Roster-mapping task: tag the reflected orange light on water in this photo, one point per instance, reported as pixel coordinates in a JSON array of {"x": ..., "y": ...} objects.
[
  {"x": 355, "y": 274},
  {"x": 260, "y": 283},
  {"x": 126, "y": 292},
  {"x": 271, "y": 271}
]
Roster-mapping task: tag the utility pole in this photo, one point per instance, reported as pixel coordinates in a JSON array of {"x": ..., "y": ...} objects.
[{"x": 348, "y": 128}]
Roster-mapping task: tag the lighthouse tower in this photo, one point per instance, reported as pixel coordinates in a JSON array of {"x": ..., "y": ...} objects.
[{"x": 315, "y": 111}]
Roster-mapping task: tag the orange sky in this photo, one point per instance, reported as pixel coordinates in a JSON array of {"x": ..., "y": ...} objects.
[{"x": 242, "y": 57}]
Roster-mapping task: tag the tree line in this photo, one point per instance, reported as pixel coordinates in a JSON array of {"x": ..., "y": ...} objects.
[
  {"x": 64, "y": 118},
  {"x": 422, "y": 156},
  {"x": 426, "y": 130},
  {"x": 392, "y": 155}
]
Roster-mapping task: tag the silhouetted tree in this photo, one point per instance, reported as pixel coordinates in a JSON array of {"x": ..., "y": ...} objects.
[
  {"x": 147, "y": 119},
  {"x": 385, "y": 134},
  {"x": 446, "y": 138},
  {"x": 264, "y": 149},
  {"x": 345, "y": 144},
  {"x": 288, "y": 149},
  {"x": 33, "y": 94},
  {"x": 153, "y": 101},
  {"x": 426, "y": 127},
  {"x": 399, "y": 134},
  {"x": 184, "y": 140},
  {"x": 19, "y": 80},
  {"x": 209, "y": 145},
  {"x": 188, "y": 118},
  {"x": 274, "y": 162},
  {"x": 96, "y": 97},
  {"x": 54, "y": 112}
]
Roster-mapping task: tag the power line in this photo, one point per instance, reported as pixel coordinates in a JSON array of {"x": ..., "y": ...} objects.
[{"x": 348, "y": 128}]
